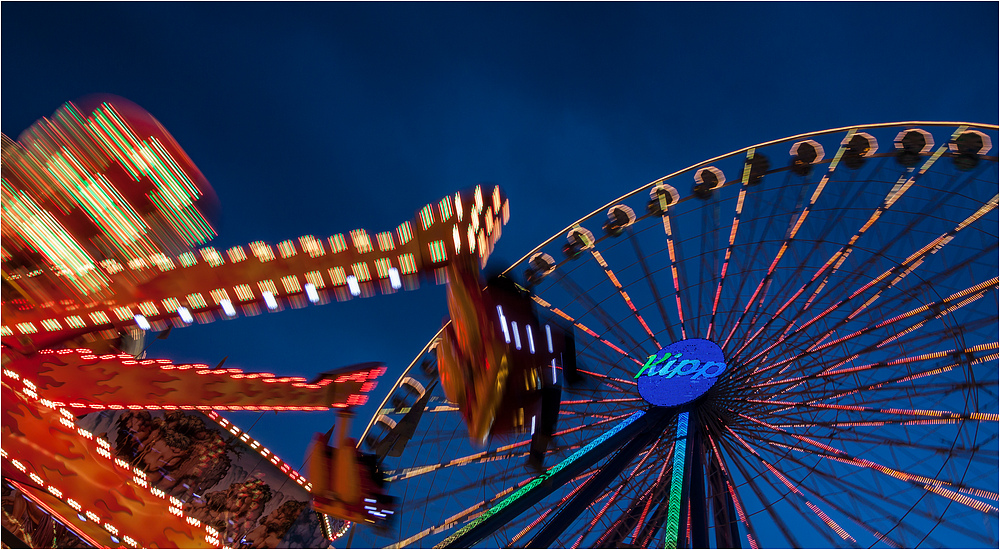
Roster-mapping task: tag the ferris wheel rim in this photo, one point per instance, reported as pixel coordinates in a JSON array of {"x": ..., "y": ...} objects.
[
  {"x": 430, "y": 343},
  {"x": 742, "y": 150},
  {"x": 676, "y": 173}
]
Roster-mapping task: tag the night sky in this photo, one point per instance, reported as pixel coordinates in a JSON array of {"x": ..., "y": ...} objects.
[{"x": 319, "y": 118}]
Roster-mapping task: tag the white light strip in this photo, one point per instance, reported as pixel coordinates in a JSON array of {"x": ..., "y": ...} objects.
[
  {"x": 352, "y": 285},
  {"x": 548, "y": 336},
  {"x": 311, "y": 292},
  {"x": 227, "y": 306},
  {"x": 517, "y": 337},
  {"x": 142, "y": 322},
  {"x": 269, "y": 300},
  {"x": 532, "y": 424},
  {"x": 553, "y": 371},
  {"x": 394, "y": 278},
  {"x": 185, "y": 315},
  {"x": 503, "y": 324},
  {"x": 531, "y": 339}
]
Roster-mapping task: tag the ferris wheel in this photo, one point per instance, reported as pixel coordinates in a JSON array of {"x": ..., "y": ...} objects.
[{"x": 843, "y": 284}]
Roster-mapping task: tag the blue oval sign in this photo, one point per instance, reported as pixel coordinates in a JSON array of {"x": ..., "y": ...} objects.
[{"x": 681, "y": 372}]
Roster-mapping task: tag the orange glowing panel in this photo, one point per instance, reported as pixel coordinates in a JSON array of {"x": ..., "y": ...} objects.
[{"x": 80, "y": 379}]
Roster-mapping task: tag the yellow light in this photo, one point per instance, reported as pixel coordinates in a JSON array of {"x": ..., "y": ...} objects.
[
  {"x": 315, "y": 278},
  {"x": 338, "y": 243},
  {"x": 196, "y": 301},
  {"x": 262, "y": 251},
  {"x": 286, "y": 248},
  {"x": 361, "y": 271},
  {"x": 338, "y": 276},
  {"x": 211, "y": 256},
  {"x": 236, "y": 254}
]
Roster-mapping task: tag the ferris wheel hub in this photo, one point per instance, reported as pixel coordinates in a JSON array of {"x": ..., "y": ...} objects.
[{"x": 680, "y": 372}]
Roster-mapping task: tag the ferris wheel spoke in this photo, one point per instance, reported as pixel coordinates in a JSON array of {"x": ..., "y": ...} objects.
[
  {"x": 742, "y": 464},
  {"x": 917, "y": 452},
  {"x": 727, "y": 494},
  {"x": 835, "y": 261},
  {"x": 937, "y": 308},
  {"x": 793, "y": 230},
  {"x": 599, "y": 258},
  {"x": 592, "y": 401},
  {"x": 508, "y": 451},
  {"x": 826, "y": 373},
  {"x": 594, "y": 307},
  {"x": 611, "y": 494},
  {"x": 826, "y": 519},
  {"x": 899, "y": 301},
  {"x": 753, "y": 257},
  {"x": 894, "y": 395},
  {"x": 648, "y": 277},
  {"x": 891, "y": 198},
  {"x": 614, "y": 382},
  {"x": 859, "y": 521},
  {"x": 933, "y": 311},
  {"x": 856, "y": 490},
  {"x": 899, "y": 272},
  {"x": 597, "y": 357},
  {"x": 671, "y": 252},
  {"x": 732, "y": 240},
  {"x": 878, "y": 386},
  {"x": 610, "y": 470},
  {"x": 654, "y": 493},
  {"x": 540, "y": 301},
  {"x": 947, "y": 489},
  {"x": 440, "y": 528},
  {"x": 844, "y": 435},
  {"x": 881, "y": 497},
  {"x": 474, "y": 484},
  {"x": 946, "y": 415},
  {"x": 534, "y": 523},
  {"x": 898, "y": 190}
]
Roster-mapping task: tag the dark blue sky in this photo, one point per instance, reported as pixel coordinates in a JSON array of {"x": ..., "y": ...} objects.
[{"x": 316, "y": 118}]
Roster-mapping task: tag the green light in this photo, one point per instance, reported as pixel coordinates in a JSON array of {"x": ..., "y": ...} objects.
[
  {"x": 438, "y": 253},
  {"x": 538, "y": 480},
  {"x": 426, "y": 216},
  {"x": 676, "y": 482},
  {"x": 445, "y": 206}
]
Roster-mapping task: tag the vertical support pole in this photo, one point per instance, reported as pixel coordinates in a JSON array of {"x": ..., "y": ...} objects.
[
  {"x": 727, "y": 531},
  {"x": 674, "y": 527},
  {"x": 695, "y": 476}
]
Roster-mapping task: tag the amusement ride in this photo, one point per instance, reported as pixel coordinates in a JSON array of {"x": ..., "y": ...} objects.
[
  {"x": 794, "y": 344},
  {"x": 104, "y": 222}
]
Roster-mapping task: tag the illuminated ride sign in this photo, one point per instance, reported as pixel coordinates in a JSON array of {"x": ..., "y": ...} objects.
[{"x": 680, "y": 372}]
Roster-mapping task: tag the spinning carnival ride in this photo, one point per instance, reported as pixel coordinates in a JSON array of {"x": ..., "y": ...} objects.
[
  {"x": 794, "y": 344},
  {"x": 102, "y": 446}
]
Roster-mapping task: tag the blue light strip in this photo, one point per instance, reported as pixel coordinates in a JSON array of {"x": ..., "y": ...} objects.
[
  {"x": 676, "y": 483},
  {"x": 540, "y": 479}
]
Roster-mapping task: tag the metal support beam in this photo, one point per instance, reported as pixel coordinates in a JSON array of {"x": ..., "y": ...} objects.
[
  {"x": 727, "y": 530},
  {"x": 585, "y": 497},
  {"x": 545, "y": 484},
  {"x": 697, "y": 503}
]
